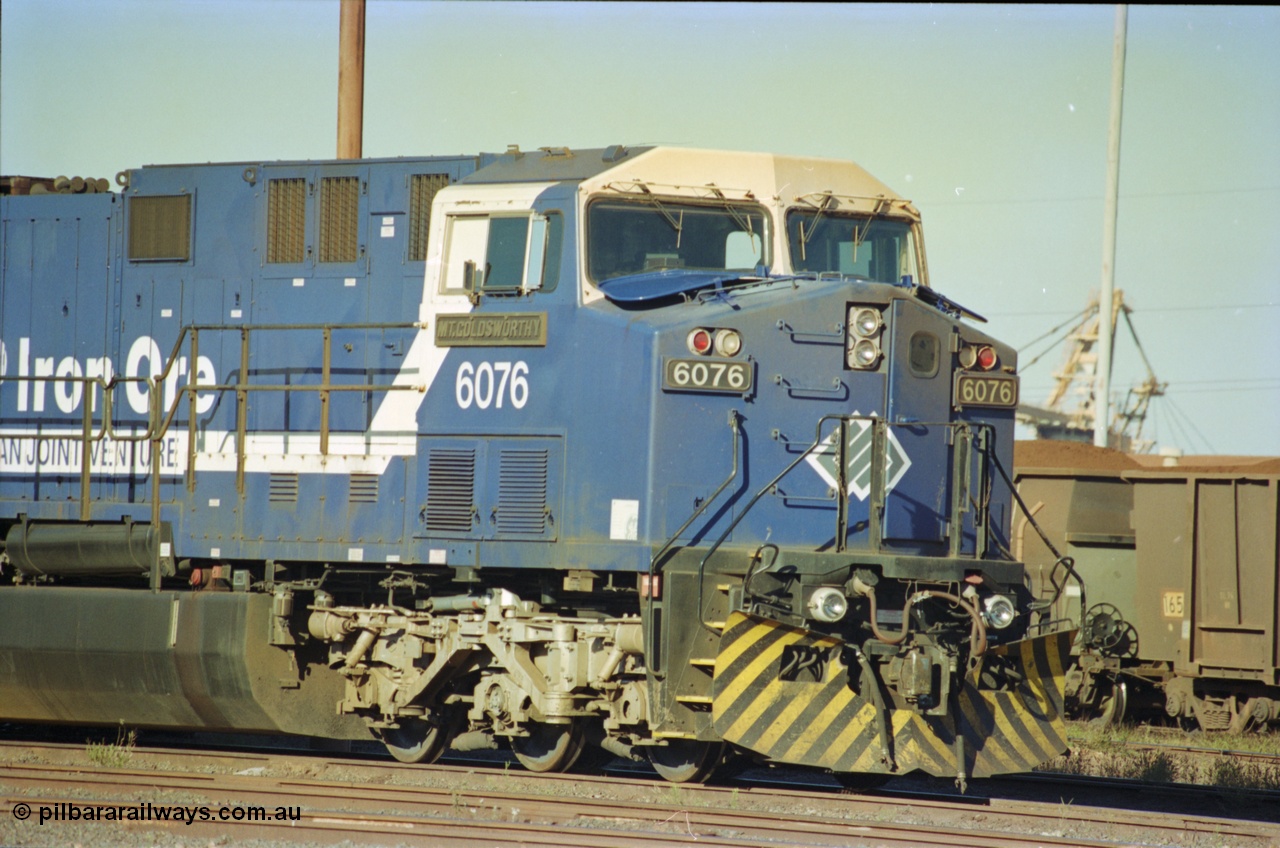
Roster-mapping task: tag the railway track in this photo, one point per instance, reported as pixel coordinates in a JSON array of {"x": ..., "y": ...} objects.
[
  {"x": 1176, "y": 745},
  {"x": 1257, "y": 757},
  {"x": 1173, "y": 759},
  {"x": 379, "y": 803}
]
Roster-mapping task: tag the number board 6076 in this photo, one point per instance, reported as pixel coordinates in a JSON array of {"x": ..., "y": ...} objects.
[
  {"x": 995, "y": 390},
  {"x": 706, "y": 375}
]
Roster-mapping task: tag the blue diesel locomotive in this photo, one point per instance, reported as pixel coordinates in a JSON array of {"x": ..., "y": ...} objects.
[{"x": 673, "y": 453}]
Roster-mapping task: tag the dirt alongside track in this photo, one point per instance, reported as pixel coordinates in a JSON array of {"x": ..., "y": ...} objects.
[{"x": 353, "y": 801}]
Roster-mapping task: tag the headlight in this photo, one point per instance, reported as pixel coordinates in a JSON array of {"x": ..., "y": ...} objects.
[
  {"x": 862, "y": 348},
  {"x": 998, "y": 611},
  {"x": 864, "y": 354},
  {"x": 828, "y": 604},
  {"x": 866, "y": 322}
]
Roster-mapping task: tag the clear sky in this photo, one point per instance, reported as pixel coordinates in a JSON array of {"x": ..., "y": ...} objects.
[{"x": 993, "y": 119}]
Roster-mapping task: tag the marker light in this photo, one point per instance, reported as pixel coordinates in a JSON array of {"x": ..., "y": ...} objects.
[
  {"x": 728, "y": 342},
  {"x": 828, "y": 604},
  {"x": 998, "y": 611},
  {"x": 865, "y": 354},
  {"x": 867, "y": 322},
  {"x": 982, "y": 357},
  {"x": 700, "y": 341}
]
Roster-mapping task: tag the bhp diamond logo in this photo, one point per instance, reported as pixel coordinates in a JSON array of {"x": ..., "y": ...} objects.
[{"x": 824, "y": 458}]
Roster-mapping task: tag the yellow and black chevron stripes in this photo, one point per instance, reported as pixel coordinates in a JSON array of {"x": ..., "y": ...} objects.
[
  {"x": 825, "y": 723},
  {"x": 1017, "y": 730}
]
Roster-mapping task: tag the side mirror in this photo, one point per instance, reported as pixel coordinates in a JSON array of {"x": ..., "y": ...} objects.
[
  {"x": 472, "y": 277},
  {"x": 534, "y": 264}
]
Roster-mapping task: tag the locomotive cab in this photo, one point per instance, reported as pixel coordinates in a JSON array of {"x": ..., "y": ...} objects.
[{"x": 786, "y": 430}]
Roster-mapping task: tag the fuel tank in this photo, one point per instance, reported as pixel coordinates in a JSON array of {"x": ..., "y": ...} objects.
[
  {"x": 90, "y": 549},
  {"x": 189, "y": 660}
]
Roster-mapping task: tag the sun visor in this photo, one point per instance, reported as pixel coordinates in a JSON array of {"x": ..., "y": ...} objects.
[{"x": 655, "y": 285}]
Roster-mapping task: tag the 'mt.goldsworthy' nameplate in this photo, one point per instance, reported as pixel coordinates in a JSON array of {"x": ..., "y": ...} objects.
[{"x": 500, "y": 329}]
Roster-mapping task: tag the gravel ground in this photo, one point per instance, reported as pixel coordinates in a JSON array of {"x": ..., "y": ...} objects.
[{"x": 465, "y": 779}]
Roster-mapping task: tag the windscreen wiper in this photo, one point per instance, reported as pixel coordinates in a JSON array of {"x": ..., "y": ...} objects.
[
  {"x": 743, "y": 221},
  {"x": 827, "y": 199},
  {"x": 676, "y": 224},
  {"x": 859, "y": 236}
]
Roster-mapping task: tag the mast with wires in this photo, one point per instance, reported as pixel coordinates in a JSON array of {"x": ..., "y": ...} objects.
[
  {"x": 1106, "y": 339},
  {"x": 1076, "y": 379}
]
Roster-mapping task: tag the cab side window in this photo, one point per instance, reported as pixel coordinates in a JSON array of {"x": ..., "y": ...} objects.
[{"x": 507, "y": 254}]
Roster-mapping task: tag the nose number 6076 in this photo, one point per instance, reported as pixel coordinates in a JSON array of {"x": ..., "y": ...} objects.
[{"x": 489, "y": 384}]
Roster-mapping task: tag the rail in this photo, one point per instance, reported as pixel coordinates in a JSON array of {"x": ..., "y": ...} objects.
[
  {"x": 1068, "y": 563},
  {"x": 159, "y": 420}
]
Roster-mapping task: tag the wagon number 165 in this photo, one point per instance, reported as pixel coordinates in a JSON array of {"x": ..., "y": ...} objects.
[{"x": 492, "y": 384}]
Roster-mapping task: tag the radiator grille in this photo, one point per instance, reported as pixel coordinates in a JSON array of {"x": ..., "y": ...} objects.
[
  {"x": 451, "y": 478},
  {"x": 422, "y": 190},
  {"x": 286, "y": 220},
  {"x": 363, "y": 489},
  {"x": 283, "y": 488},
  {"x": 160, "y": 228},
  {"x": 339, "y": 219},
  {"x": 522, "y": 491}
]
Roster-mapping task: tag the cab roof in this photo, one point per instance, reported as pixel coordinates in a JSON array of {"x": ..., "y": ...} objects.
[{"x": 764, "y": 177}]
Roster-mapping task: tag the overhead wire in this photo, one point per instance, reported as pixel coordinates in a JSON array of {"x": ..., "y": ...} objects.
[
  {"x": 1171, "y": 418},
  {"x": 1180, "y": 434},
  {"x": 1094, "y": 197},
  {"x": 1173, "y": 407},
  {"x": 1218, "y": 306},
  {"x": 1078, "y": 315}
]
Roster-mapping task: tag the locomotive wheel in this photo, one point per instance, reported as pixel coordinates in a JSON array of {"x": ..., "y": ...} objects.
[
  {"x": 1112, "y": 704},
  {"x": 549, "y": 747},
  {"x": 686, "y": 760},
  {"x": 593, "y": 758},
  {"x": 415, "y": 741}
]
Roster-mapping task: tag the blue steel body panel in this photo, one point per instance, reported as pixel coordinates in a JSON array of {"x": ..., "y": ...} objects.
[{"x": 618, "y": 447}]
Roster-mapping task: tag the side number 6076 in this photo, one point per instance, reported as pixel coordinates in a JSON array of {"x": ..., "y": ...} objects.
[{"x": 492, "y": 384}]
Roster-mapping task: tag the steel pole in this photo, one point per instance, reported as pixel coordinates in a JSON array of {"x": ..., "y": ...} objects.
[
  {"x": 1106, "y": 322},
  {"x": 351, "y": 80}
]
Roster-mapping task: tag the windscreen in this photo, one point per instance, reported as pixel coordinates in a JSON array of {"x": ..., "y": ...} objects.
[
  {"x": 626, "y": 237},
  {"x": 876, "y": 249}
]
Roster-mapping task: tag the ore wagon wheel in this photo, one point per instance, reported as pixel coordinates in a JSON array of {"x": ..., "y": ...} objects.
[
  {"x": 686, "y": 760},
  {"x": 549, "y": 747},
  {"x": 415, "y": 741},
  {"x": 1110, "y": 706}
]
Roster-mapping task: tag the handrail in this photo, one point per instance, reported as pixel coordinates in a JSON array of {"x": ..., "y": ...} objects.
[
  {"x": 967, "y": 434},
  {"x": 734, "y": 417},
  {"x": 159, "y": 421},
  {"x": 1067, "y": 562},
  {"x": 702, "y": 566},
  {"x": 733, "y": 473}
]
